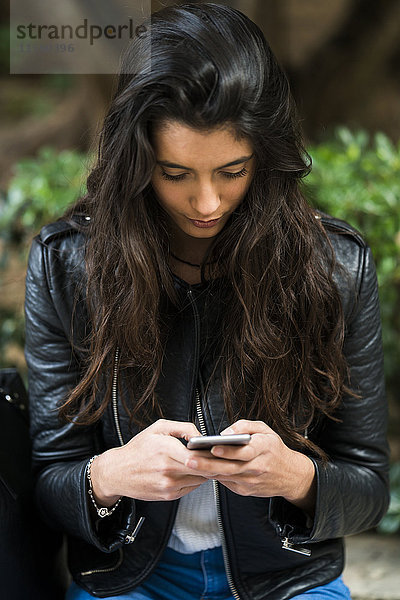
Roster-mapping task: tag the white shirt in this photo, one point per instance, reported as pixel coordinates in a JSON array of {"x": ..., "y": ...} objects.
[{"x": 196, "y": 523}]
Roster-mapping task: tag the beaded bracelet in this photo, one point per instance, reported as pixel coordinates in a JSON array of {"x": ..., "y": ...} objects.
[{"x": 102, "y": 511}]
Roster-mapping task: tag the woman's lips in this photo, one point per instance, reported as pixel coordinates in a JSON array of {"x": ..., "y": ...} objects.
[{"x": 204, "y": 224}]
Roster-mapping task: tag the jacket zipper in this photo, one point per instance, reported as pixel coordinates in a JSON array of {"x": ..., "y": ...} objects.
[
  {"x": 115, "y": 411},
  {"x": 130, "y": 537},
  {"x": 203, "y": 430},
  {"x": 288, "y": 545},
  {"x": 228, "y": 570},
  {"x": 107, "y": 569},
  {"x": 284, "y": 534},
  {"x": 287, "y": 530},
  {"x": 115, "y": 397}
]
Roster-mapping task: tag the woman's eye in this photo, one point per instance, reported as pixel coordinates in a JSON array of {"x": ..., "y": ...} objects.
[
  {"x": 241, "y": 173},
  {"x": 182, "y": 176},
  {"x": 173, "y": 177}
]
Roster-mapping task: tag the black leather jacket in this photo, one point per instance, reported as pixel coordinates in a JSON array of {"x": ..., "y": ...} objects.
[{"x": 271, "y": 549}]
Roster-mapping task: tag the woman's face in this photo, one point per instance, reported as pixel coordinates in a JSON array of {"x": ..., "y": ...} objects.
[{"x": 200, "y": 177}]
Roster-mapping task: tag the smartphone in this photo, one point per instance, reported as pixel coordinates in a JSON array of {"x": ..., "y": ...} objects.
[{"x": 205, "y": 442}]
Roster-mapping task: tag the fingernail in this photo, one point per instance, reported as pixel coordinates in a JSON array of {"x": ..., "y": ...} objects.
[
  {"x": 228, "y": 431},
  {"x": 217, "y": 451}
]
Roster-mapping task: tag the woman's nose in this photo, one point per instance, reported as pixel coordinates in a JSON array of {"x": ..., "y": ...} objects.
[{"x": 205, "y": 201}]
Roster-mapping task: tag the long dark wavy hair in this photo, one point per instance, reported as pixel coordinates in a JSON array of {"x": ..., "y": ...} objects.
[{"x": 281, "y": 360}]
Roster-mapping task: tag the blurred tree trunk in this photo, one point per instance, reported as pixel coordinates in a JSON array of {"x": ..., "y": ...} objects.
[
  {"x": 344, "y": 76},
  {"x": 74, "y": 123}
]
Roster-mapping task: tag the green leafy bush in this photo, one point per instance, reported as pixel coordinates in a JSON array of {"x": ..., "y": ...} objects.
[
  {"x": 356, "y": 178},
  {"x": 40, "y": 189}
]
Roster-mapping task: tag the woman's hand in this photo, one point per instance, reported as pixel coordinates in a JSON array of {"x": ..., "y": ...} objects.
[
  {"x": 151, "y": 466},
  {"x": 265, "y": 467}
]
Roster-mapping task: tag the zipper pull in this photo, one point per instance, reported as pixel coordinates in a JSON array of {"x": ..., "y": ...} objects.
[
  {"x": 288, "y": 545},
  {"x": 130, "y": 538}
]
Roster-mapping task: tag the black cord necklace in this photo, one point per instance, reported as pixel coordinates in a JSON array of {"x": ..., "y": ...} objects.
[{"x": 186, "y": 262}]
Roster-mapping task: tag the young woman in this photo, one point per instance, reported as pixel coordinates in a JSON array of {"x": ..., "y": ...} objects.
[{"x": 194, "y": 291}]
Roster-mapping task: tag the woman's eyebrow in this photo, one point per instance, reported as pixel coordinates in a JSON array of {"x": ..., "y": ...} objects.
[{"x": 171, "y": 165}]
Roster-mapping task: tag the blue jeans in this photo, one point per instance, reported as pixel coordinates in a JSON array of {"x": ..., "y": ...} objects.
[{"x": 199, "y": 576}]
